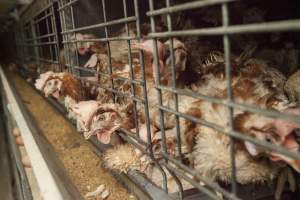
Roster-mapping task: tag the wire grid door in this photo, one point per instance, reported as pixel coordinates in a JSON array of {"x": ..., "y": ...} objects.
[
  {"x": 28, "y": 43},
  {"x": 69, "y": 28},
  {"x": 18, "y": 35},
  {"x": 41, "y": 40},
  {"x": 225, "y": 31}
]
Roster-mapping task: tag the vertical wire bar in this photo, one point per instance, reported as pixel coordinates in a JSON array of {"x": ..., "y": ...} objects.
[
  {"x": 22, "y": 41},
  {"x": 28, "y": 35},
  {"x": 146, "y": 108},
  {"x": 175, "y": 99},
  {"x": 66, "y": 50},
  {"x": 159, "y": 92},
  {"x": 54, "y": 28},
  {"x": 49, "y": 37},
  {"x": 76, "y": 61},
  {"x": 25, "y": 42},
  {"x": 175, "y": 95},
  {"x": 66, "y": 37},
  {"x": 35, "y": 47},
  {"x": 38, "y": 33},
  {"x": 108, "y": 48},
  {"x": 135, "y": 113},
  {"x": 226, "y": 43}
]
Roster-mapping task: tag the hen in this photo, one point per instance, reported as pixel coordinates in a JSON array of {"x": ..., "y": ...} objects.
[
  {"x": 62, "y": 86},
  {"x": 208, "y": 149},
  {"x": 100, "y": 119}
]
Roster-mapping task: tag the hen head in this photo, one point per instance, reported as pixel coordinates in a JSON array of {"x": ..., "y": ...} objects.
[
  {"x": 53, "y": 87},
  {"x": 180, "y": 57},
  {"x": 275, "y": 131},
  {"x": 49, "y": 83},
  {"x": 98, "y": 119},
  {"x": 164, "y": 57}
]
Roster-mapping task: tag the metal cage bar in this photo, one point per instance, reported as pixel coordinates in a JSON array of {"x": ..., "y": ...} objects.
[
  {"x": 41, "y": 37},
  {"x": 169, "y": 164}
]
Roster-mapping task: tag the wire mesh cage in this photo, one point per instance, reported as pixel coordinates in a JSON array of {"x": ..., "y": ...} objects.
[
  {"x": 38, "y": 34},
  {"x": 205, "y": 106}
]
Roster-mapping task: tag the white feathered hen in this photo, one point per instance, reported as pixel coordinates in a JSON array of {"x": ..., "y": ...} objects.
[{"x": 207, "y": 149}]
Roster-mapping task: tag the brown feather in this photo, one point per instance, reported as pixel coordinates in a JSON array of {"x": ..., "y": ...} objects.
[{"x": 72, "y": 87}]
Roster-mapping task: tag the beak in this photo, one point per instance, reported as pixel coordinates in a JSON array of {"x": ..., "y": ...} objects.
[
  {"x": 285, "y": 130},
  {"x": 291, "y": 144},
  {"x": 292, "y": 162}
]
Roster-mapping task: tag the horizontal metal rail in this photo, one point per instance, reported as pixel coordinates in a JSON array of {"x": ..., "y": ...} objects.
[
  {"x": 38, "y": 20},
  {"x": 187, "y": 6},
  {"x": 101, "y": 25},
  {"x": 234, "y": 134},
  {"x": 41, "y": 37},
  {"x": 241, "y": 106},
  {"x": 40, "y": 11},
  {"x": 67, "y": 5},
  {"x": 41, "y": 44},
  {"x": 48, "y": 187},
  {"x": 134, "y": 81},
  {"x": 116, "y": 92},
  {"x": 101, "y": 39},
  {"x": 285, "y": 25}
]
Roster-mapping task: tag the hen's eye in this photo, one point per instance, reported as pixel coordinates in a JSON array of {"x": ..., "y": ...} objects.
[
  {"x": 101, "y": 117},
  {"x": 268, "y": 139}
]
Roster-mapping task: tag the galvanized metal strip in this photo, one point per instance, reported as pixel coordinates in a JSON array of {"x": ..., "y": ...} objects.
[
  {"x": 159, "y": 98},
  {"x": 226, "y": 47},
  {"x": 41, "y": 37},
  {"x": 64, "y": 6},
  {"x": 102, "y": 39},
  {"x": 284, "y": 25},
  {"x": 49, "y": 189},
  {"x": 235, "y": 134},
  {"x": 105, "y": 24},
  {"x": 186, "y": 6},
  {"x": 236, "y": 105}
]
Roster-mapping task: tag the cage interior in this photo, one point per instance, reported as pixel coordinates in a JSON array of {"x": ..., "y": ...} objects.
[{"x": 196, "y": 95}]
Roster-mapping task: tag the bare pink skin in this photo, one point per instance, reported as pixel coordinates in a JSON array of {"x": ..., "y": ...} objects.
[
  {"x": 102, "y": 124},
  {"x": 284, "y": 129},
  {"x": 53, "y": 88},
  {"x": 92, "y": 62},
  {"x": 85, "y": 110},
  {"x": 148, "y": 47},
  {"x": 84, "y": 47},
  {"x": 41, "y": 81},
  {"x": 180, "y": 54}
]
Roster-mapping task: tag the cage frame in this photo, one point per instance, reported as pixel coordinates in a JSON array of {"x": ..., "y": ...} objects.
[{"x": 225, "y": 31}]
